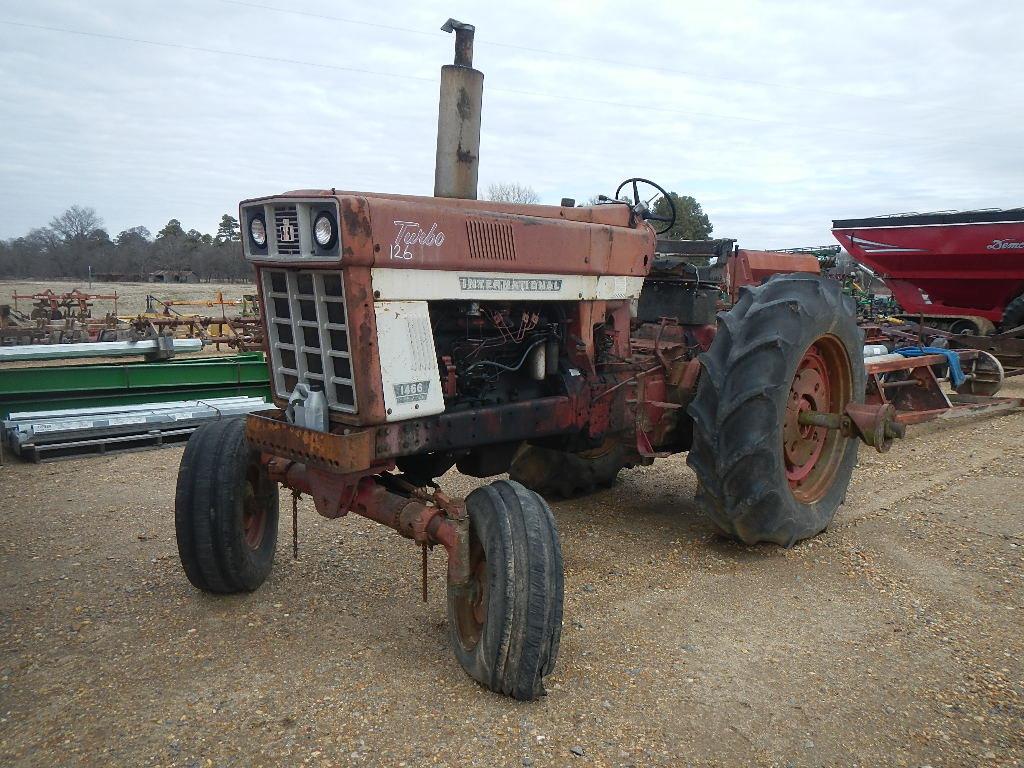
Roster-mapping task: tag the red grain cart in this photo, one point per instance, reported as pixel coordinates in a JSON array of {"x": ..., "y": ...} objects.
[{"x": 963, "y": 271}]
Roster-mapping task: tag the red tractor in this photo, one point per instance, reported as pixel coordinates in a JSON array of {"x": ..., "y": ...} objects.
[{"x": 526, "y": 339}]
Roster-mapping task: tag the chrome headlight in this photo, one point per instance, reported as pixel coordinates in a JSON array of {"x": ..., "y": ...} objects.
[
  {"x": 325, "y": 231},
  {"x": 258, "y": 231}
]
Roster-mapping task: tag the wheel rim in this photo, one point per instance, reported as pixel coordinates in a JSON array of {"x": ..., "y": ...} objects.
[
  {"x": 254, "y": 514},
  {"x": 964, "y": 327},
  {"x": 471, "y": 600},
  {"x": 987, "y": 376},
  {"x": 824, "y": 383}
]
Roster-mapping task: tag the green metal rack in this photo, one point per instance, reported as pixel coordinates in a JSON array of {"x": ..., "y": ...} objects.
[{"x": 84, "y": 386}]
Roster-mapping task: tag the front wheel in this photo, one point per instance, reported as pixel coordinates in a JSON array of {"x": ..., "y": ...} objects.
[
  {"x": 787, "y": 347},
  {"x": 225, "y": 510},
  {"x": 506, "y": 623}
]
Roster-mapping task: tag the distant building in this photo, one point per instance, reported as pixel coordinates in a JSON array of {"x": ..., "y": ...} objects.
[
  {"x": 173, "y": 276},
  {"x": 117, "y": 277}
]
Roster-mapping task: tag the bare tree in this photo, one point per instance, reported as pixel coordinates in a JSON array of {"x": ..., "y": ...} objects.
[
  {"x": 76, "y": 223},
  {"x": 512, "y": 193}
]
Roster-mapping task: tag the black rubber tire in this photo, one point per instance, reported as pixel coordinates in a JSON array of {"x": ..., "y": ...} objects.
[
  {"x": 1013, "y": 314},
  {"x": 218, "y": 475},
  {"x": 740, "y": 404},
  {"x": 563, "y": 474},
  {"x": 518, "y": 642},
  {"x": 964, "y": 326}
]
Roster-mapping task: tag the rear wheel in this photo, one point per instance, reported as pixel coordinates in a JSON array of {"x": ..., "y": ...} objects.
[
  {"x": 1013, "y": 315},
  {"x": 225, "y": 511},
  {"x": 506, "y": 623},
  {"x": 963, "y": 325},
  {"x": 787, "y": 347},
  {"x": 972, "y": 326},
  {"x": 551, "y": 472}
]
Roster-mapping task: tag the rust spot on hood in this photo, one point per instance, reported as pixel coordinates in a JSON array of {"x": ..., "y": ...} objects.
[{"x": 357, "y": 222}]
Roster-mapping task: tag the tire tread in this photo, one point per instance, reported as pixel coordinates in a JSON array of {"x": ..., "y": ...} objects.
[
  {"x": 736, "y": 450},
  {"x": 515, "y": 659},
  {"x": 212, "y": 477}
]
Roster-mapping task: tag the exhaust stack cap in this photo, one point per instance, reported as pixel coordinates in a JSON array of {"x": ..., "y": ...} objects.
[
  {"x": 456, "y": 167},
  {"x": 463, "y": 41}
]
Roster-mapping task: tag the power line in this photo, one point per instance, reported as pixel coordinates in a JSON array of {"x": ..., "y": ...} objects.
[
  {"x": 221, "y": 52},
  {"x": 536, "y": 94},
  {"x": 580, "y": 57},
  {"x": 325, "y": 17}
]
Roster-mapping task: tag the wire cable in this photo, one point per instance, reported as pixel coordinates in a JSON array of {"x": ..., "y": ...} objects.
[
  {"x": 578, "y": 56},
  {"x": 219, "y": 51},
  {"x": 493, "y": 89}
]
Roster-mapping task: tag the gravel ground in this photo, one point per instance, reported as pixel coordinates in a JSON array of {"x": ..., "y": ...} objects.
[{"x": 896, "y": 638}]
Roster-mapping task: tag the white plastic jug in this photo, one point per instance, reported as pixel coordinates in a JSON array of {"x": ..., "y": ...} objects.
[
  {"x": 316, "y": 414},
  {"x": 307, "y": 407},
  {"x": 295, "y": 413}
]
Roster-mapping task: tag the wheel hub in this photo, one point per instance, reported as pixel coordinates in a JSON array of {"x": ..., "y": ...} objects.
[
  {"x": 812, "y": 453},
  {"x": 470, "y": 613},
  {"x": 254, "y": 518},
  {"x": 809, "y": 392},
  {"x": 479, "y": 593}
]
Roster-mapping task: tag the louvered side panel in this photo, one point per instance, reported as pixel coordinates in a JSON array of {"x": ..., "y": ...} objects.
[{"x": 491, "y": 240}]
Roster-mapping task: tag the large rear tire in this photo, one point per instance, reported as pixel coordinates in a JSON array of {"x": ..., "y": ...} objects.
[
  {"x": 505, "y": 625},
  {"x": 787, "y": 346},
  {"x": 225, "y": 511},
  {"x": 1013, "y": 314}
]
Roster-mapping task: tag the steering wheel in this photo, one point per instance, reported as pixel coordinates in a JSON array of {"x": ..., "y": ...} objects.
[{"x": 644, "y": 207}]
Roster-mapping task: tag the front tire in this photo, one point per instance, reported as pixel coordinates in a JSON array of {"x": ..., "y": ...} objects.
[
  {"x": 788, "y": 346},
  {"x": 225, "y": 511},
  {"x": 506, "y": 623}
]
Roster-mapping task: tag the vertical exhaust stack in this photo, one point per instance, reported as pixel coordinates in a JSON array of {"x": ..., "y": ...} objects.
[{"x": 458, "y": 119}]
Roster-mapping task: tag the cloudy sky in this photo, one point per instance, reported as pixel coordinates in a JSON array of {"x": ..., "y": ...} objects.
[{"x": 776, "y": 116}]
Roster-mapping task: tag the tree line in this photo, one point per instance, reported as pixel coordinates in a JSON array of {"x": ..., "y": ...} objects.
[
  {"x": 76, "y": 241},
  {"x": 691, "y": 223}
]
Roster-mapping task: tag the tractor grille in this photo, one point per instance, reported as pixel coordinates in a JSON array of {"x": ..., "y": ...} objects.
[
  {"x": 307, "y": 326},
  {"x": 286, "y": 226}
]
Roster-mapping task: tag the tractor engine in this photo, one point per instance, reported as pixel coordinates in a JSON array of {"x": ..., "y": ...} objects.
[{"x": 497, "y": 352}]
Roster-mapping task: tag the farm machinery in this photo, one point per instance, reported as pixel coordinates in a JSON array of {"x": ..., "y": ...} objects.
[
  {"x": 525, "y": 339},
  {"x": 242, "y": 331},
  {"x": 66, "y": 318},
  {"x": 54, "y": 318},
  {"x": 408, "y": 335}
]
